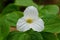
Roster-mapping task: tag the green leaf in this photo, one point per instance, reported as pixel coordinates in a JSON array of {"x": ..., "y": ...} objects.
[
  {"x": 1, "y": 38},
  {"x": 18, "y": 36},
  {"x": 35, "y": 35},
  {"x": 49, "y": 9},
  {"x": 52, "y": 23},
  {"x": 58, "y": 36},
  {"x": 4, "y": 28},
  {"x": 29, "y": 35},
  {"x": 8, "y": 20},
  {"x": 25, "y": 3},
  {"x": 51, "y": 19},
  {"x": 10, "y": 8},
  {"x": 12, "y": 18},
  {"x": 53, "y": 9},
  {"x": 49, "y": 36}
]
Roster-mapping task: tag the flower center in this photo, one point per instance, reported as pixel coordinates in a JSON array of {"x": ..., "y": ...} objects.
[{"x": 29, "y": 20}]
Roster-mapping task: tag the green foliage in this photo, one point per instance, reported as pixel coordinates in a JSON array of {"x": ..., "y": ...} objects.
[
  {"x": 12, "y": 18},
  {"x": 10, "y": 8},
  {"x": 49, "y": 9},
  {"x": 49, "y": 14},
  {"x": 25, "y": 2},
  {"x": 4, "y": 28},
  {"x": 49, "y": 36},
  {"x": 29, "y": 35},
  {"x": 8, "y": 18},
  {"x": 11, "y": 14},
  {"x": 58, "y": 36},
  {"x": 52, "y": 24}
]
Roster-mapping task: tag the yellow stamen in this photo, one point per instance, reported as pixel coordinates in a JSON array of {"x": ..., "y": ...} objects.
[{"x": 29, "y": 20}]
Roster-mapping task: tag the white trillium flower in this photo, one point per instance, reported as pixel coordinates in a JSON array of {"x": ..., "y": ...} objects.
[{"x": 30, "y": 20}]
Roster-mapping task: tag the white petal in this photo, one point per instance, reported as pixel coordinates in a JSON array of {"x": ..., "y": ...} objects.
[
  {"x": 31, "y": 11},
  {"x": 20, "y": 21},
  {"x": 39, "y": 21},
  {"x": 38, "y": 25},
  {"x": 37, "y": 28},
  {"x": 22, "y": 26}
]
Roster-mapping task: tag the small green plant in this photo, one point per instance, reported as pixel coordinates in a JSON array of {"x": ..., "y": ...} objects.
[{"x": 12, "y": 12}]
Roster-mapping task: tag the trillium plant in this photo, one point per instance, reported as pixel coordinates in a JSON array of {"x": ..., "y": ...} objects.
[
  {"x": 27, "y": 20},
  {"x": 30, "y": 20}
]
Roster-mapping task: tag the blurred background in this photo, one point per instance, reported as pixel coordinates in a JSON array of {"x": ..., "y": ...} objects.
[{"x": 4, "y": 3}]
